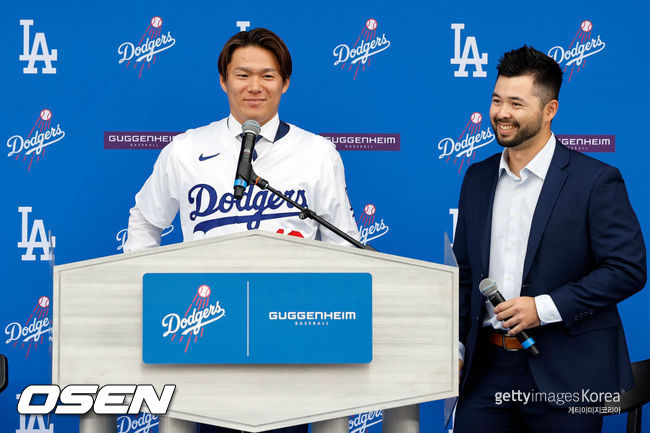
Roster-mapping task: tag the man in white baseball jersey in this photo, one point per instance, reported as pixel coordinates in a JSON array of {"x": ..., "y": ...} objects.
[{"x": 194, "y": 174}]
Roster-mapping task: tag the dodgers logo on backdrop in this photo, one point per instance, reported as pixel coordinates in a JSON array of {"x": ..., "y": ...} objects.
[
  {"x": 42, "y": 135},
  {"x": 367, "y": 44},
  {"x": 199, "y": 314},
  {"x": 145, "y": 51},
  {"x": 34, "y": 238},
  {"x": 142, "y": 423},
  {"x": 369, "y": 229},
  {"x": 33, "y": 332},
  {"x": 472, "y": 138},
  {"x": 582, "y": 46},
  {"x": 360, "y": 423},
  {"x": 123, "y": 235},
  {"x": 34, "y": 423},
  {"x": 470, "y": 55},
  {"x": 39, "y": 51}
]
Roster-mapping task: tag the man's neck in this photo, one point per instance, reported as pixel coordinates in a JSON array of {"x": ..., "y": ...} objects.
[{"x": 520, "y": 156}]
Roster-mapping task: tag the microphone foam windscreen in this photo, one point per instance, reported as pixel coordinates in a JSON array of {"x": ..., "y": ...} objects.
[
  {"x": 488, "y": 287},
  {"x": 251, "y": 126}
]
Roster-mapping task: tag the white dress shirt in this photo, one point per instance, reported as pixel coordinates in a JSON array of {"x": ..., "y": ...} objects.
[
  {"x": 514, "y": 204},
  {"x": 515, "y": 200}
]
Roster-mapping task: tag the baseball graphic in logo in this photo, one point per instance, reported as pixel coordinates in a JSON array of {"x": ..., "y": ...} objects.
[
  {"x": 44, "y": 301},
  {"x": 371, "y": 24},
  {"x": 204, "y": 291}
]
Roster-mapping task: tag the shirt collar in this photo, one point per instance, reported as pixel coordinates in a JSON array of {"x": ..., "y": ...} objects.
[
  {"x": 269, "y": 129},
  {"x": 538, "y": 166}
]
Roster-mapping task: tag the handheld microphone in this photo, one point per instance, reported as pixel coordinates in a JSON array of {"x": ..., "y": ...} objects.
[
  {"x": 488, "y": 288},
  {"x": 250, "y": 129}
]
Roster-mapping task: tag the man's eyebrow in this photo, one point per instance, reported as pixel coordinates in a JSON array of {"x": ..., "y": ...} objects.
[
  {"x": 509, "y": 98},
  {"x": 250, "y": 70}
]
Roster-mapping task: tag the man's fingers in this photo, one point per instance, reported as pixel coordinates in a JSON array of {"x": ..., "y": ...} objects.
[
  {"x": 506, "y": 314},
  {"x": 503, "y": 306},
  {"x": 516, "y": 330}
]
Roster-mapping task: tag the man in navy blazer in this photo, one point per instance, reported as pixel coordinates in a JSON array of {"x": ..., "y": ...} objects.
[{"x": 555, "y": 230}]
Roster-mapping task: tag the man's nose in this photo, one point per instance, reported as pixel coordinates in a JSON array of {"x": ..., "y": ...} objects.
[
  {"x": 255, "y": 84},
  {"x": 504, "y": 112}
]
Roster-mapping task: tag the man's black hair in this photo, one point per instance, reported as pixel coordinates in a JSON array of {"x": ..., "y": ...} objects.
[{"x": 546, "y": 73}]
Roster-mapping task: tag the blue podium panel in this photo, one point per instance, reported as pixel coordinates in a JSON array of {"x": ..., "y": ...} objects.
[{"x": 257, "y": 318}]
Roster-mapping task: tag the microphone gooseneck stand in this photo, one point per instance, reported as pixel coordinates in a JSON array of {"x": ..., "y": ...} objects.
[{"x": 307, "y": 213}]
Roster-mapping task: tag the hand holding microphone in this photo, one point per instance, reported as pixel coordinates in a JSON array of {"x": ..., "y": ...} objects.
[{"x": 521, "y": 306}]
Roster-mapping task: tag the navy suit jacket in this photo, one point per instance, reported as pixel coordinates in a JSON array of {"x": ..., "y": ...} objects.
[{"x": 585, "y": 250}]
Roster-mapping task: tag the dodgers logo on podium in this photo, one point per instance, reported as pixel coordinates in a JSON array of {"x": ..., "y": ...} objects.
[{"x": 257, "y": 318}]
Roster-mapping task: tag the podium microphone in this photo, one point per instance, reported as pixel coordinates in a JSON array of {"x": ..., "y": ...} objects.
[
  {"x": 250, "y": 129},
  {"x": 488, "y": 288}
]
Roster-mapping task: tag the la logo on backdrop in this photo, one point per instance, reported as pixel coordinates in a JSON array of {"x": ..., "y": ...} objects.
[
  {"x": 470, "y": 54},
  {"x": 34, "y": 332},
  {"x": 472, "y": 138},
  {"x": 359, "y": 55},
  {"x": 583, "y": 45},
  {"x": 41, "y": 135},
  {"x": 39, "y": 51},
  {"x": 145, "y": 51}
]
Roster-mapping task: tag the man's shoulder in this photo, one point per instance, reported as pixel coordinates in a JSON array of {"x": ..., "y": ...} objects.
[
  {"x": 585, "y": 169},
  {"x": 583, "y": 162},
  {"x": 201, "y": 132},
  {"x": 486, "y": 167}
]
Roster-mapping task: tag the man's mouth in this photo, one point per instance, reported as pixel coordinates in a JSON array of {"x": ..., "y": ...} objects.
[{"x": 506, "y": 127}]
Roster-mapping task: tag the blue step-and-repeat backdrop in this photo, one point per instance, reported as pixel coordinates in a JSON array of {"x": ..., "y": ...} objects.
[{"x": 92, "y": 91}]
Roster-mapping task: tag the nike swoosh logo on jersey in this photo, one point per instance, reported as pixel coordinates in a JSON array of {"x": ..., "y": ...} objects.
[{"x": 204, "y": 158}]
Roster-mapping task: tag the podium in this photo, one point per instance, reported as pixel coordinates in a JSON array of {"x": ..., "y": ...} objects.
[{"x": 97, "y": 335}]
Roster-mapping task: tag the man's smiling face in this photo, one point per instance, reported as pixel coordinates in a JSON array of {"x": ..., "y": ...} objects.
[{"x": 253, "y": 84}]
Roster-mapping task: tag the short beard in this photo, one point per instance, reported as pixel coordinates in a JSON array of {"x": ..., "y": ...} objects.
[{"x": 522, "y": 134}]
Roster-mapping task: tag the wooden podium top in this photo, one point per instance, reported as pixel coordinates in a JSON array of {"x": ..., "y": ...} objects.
[{"x": 97, "y": 330}]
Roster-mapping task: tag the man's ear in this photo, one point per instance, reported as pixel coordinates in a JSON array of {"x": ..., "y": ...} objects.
[
  {"x": 550, "y": 110},
  {"x": 222, "y": 81}
]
